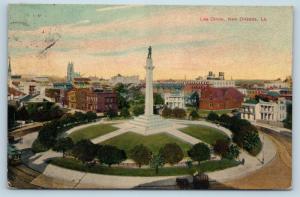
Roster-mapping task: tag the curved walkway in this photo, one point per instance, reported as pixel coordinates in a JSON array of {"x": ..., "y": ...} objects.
[{"x": 76, "y": 179}]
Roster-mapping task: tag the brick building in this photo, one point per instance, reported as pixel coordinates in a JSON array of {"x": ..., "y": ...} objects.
[
  {"x": 101, "y": 101},
  {"x": 77, "y": 98},
  {"x": 220, "y": 98},
  {"x": 88, "y": 100}
]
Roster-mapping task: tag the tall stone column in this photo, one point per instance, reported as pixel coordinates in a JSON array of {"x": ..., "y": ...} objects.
[{"x": 149, "y": 87}]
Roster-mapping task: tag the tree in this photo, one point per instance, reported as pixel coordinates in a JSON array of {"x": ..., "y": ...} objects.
[
  {"x": 48, "y": 133},
  {"x": 37, "y": 146},
  {"x": 141, "y": 155},
  {"x": 122, "y": 94},
  {"x": 125, "y": 112},
  {"x": 199, "y": 152},
  {"x": 212, "y": 116},
  {"x": 109, "y": 155},
  {"x": 194, "y": 114},
  {"x": 225, "y": 120},
  {"x": 111, "y": 113},
  {"x": 55, "y": 112},
  {"x": 171, "y": 153},
  {"x": 288, "y": 121},
  {"x": 194, "y": 99},
  {"x": 156, "y": 162},
  {"x": 90, "y": 116},
  {"x": 80, "y": 117},
  {"x": 11, "y": 116},
  {"x": 250, "y": 141},
  {"x": 84, "y": 150},
  {"x": 22, "y": 114},
  {"x": 221, "y": 147},
  {"x": 138, "y": 109},
  {"x": 166, "y": 112},
  {"x": 158, "y": 99},
  {"x": 178, "y": 113},
  {"x": 64, "y": 144},
  {"x": 233, "y": 152}
]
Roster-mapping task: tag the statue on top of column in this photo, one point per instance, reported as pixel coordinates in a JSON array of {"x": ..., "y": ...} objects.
[{"x": 149, "y": 52}]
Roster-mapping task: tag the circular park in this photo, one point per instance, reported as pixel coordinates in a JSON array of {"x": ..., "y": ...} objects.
[{"x": 112, "y": 147}]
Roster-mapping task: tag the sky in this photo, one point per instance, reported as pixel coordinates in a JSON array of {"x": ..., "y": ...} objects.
[{"x": 105, "y": 40}]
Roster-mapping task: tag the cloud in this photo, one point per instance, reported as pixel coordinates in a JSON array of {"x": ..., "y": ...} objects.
[
  {"x": 83, "y": 21},
  {"x": 105, "y": 9}
]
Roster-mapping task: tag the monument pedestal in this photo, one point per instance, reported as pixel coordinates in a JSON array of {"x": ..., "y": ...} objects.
[{"x": 147, "y": 125}]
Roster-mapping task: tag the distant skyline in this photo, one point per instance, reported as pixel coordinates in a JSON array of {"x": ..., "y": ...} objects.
[{"x": 110, "y": 40}]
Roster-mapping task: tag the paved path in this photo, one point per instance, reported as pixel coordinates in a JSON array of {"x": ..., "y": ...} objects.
[
  {"x": 183, "y": 136},
  {"x": 27, "y": 141},
  {"x": 110, "y": 135}
]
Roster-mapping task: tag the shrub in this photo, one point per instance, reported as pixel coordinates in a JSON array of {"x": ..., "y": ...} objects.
[
  {"x": 212, "y": 116},
  {"x": 156, "y": 162},
  {"x": 141, "y": 155},
  {"x": 166, "y": 112},
  {"x": 84, "y": 150},
  {"x": 199, "y": 152},
  {"x": 178, "y": 113},
  {"x": 194, "y": 115},
  {"x": 251, "y": 143},
  {"x": 111, "y": 113},
  {"x": 64, "y": 144},
  {"x": 109, "y": 155},
  {"x": 37, "y": 147},
  {"x": 125, "y": 112},
  {"x": 221, "y": 147},
  {"x": 138, "y": 109},
  {"x": 225, "y": 120},
  {"x": 233, "y": 152},
  {"x": 171, "y": 153},
  {"x": 90, "y": 116}
]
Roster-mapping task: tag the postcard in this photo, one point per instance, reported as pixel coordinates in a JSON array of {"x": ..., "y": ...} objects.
[{"x": 149, "y": 97}]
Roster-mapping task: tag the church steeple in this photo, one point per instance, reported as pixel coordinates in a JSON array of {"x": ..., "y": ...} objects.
[
  {"x": 9, "y": 66},
  {"x": 9, "y": 72}
]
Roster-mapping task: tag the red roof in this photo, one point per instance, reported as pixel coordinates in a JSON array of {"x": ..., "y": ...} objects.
[
  {"x": 221, "y": 93},
  {"x": 15, "y": 92}
]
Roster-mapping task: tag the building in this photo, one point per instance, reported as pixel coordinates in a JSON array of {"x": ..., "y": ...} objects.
[
  {"x": 14, "y": 94},
  {"x": 81, "y": 82},
  {"x": 191, "y": 86},
  {"x": 220, "y": 99},
  {"x": 101, "y": 101},
  {"x": 71, "y": 74},
  {"x": 253, "y": 92},
  {"x": 262, "y": 111},
  {"x": 134, "y": 79},
  {"x": 276, "y": 84},
  {"x": 174, "y": 100},
  {"x": 243, "y": 91},
  {"x": 213, "y": 76},
  {"x": 89, "y": 100},
  {"x": 77, "y": 98},
  {"x": 161, "y": 87}
]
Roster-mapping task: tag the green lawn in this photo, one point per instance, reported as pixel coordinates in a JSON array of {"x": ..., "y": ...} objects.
[
  {"x": 204, "y": 133},
  {"x": 92, "y": 132},
  {"x": 207, "y": 166},
  {"x": 154, "y": 142}
]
